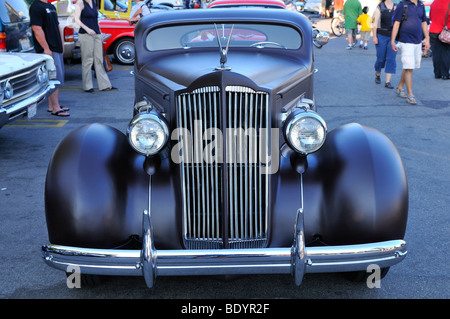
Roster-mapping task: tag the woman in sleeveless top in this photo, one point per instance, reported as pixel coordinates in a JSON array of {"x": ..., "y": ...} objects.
[
  {"x": 91, "y": 45},
  {"x": 382, "y": 29}
]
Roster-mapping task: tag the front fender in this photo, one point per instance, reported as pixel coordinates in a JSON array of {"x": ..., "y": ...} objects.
[
  {"x": 95, "y": 190},
  {"x": 355, "y": 188}
]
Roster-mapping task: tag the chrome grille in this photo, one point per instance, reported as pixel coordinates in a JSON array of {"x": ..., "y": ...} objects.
[
  {"x": 23, "y": 83},
  {"x": 247, "y": 114}
]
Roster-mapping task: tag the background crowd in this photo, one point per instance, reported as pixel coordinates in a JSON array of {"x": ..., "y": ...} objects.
[{"x": 402, "y": 27}]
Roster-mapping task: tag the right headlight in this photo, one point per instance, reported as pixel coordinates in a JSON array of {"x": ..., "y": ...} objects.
[
  {"x": 148, "y": 133},
  {"x": 305, "y": 132}
]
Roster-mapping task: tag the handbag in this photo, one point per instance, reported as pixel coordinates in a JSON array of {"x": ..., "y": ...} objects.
[
  {"x": 444, "y": 36},
  {"x": 109, "y": 66}
]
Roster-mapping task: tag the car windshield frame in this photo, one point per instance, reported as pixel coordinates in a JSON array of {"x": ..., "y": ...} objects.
[{"x": 243, "y": 34}]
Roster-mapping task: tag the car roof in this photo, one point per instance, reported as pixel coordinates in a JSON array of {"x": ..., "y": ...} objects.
[
  {"x": 255, "y": 3},
  {"x": 267, "y": 15}
]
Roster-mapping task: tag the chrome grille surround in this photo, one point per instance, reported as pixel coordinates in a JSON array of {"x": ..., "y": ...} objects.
[
  {"x": 202, "y": 167},
  {"x": 23, "y": 83}
]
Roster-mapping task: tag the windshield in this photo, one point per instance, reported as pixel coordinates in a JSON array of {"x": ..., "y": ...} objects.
[
  {"x": 237, "y": 35},
  {"x": 13, "y": 11}
]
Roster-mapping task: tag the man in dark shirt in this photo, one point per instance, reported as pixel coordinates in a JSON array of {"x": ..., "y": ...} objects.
[
  {"x": 47, "y": 38},
  {"x": 414, "y": 28}
]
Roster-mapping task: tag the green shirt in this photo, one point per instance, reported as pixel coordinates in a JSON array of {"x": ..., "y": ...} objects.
[{"x": 352, "y": 10}]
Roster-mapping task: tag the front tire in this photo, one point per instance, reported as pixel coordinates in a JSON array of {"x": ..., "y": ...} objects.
[
  {"x": 125, "y": 51},
  {"x": 362, "y": 276},
  {"x": 88, "y": 280}
]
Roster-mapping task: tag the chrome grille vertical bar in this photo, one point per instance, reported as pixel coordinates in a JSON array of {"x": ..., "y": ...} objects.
[
  {"x": 267, "y": 117},
  {"x": 216, "y": 166},
  {"x": 250, "y": 165}
]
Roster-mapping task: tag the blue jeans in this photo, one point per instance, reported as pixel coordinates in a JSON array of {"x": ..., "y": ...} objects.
[{"x": 385, "y": 55}]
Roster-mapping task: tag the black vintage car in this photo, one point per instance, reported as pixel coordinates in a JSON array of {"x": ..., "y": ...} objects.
[{"x": 226, "y": 167}]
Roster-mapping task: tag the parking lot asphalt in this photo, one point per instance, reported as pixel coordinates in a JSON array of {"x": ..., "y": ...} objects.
[{"x": 345, "y": 92}]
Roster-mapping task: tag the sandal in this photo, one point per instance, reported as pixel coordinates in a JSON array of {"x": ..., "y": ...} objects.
[
  {"x": 411, "y": 99},
  {"x": 61, "y": 113},
  {"x": 377, "y": 79},
  {"x": 400, "y": 92},
  {"x": 65, "y": 109}
]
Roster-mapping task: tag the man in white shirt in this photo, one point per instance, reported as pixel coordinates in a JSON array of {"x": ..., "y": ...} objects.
[{"x": 139, "y": 10}]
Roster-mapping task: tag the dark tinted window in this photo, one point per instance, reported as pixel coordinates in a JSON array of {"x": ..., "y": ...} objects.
[{"x": 237, "y": 34}]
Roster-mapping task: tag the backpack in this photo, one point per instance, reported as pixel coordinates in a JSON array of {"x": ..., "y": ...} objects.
[{"x": 404, "y": 18}]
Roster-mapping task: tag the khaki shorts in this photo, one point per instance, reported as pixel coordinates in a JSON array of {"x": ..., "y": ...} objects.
[
  {"x": 365, "y": 35},
  {"x": 411, "y": 55}
]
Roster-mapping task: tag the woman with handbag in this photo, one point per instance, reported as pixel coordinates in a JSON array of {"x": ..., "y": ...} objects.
[
  {"x": 91, "y": 44},
  {"x": 440, "y": 23}
]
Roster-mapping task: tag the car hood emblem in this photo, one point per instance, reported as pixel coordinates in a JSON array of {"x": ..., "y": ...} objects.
[{"x": 223, "y": 52}]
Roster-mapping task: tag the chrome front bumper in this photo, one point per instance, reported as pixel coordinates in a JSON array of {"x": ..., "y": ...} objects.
[
  {"x": 20, "y": 108},
  {"x": 296, "y": 260}
]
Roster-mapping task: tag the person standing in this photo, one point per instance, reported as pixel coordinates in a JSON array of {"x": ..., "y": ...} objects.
[
  {"x": 91, "y": 45},
  {"x": 439, "y": 12},
  {"x": 366, "y": 21},
  {"x": 139, "y": 10},
  {"x": 414, "y": 28},
  {"x": 352, "y": 10},
  {"x": 381, "y": 37},
  {"x": 47, "y": 38},
  {"x": 338, "y": 7}
]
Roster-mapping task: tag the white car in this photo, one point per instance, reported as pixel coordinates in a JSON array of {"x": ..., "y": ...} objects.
[{"x": 26, "y": 79}]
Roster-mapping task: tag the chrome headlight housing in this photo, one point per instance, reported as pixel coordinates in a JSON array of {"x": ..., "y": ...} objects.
[
  {"x": 148, "y": 133},
  {"x": 50, "y": 67},
  {"x": 8, "y": 90},
  {"x": 42, "y": 74},
  {"x": 305, "y": 132}
]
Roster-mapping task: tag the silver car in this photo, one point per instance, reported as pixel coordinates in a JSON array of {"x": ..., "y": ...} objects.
[{"x": 26, "y": 79}]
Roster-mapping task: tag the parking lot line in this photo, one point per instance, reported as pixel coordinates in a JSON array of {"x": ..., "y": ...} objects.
[{"x": 38, "y": 123}]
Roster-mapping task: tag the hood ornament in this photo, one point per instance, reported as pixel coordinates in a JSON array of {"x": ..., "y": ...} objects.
[{"x": 223, "y": 52}]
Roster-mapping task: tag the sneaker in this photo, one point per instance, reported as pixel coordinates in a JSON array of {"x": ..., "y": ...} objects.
[
  {"x": 349, "y": 47},
  {"x": 388, "y": 85},
  {"x": 365, "y": 48}
]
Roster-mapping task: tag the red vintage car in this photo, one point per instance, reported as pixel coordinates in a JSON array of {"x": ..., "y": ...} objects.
[
  {"x": 273, "y": 4},
  {"x": 118, "y": 39},
  {"x": 119, "y": 36}
]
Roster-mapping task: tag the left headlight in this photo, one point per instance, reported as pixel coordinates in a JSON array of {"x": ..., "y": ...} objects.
[
  {"x": 148, "y": 133},
  {"x": 305, "y": 132}
]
